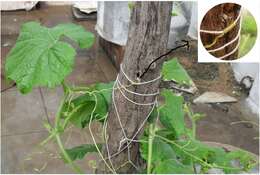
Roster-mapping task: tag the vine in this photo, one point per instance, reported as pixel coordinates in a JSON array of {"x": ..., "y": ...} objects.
[{"x": 168, "y": 147}]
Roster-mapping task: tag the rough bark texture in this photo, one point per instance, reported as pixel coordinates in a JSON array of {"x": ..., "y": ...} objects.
[
  {"x": 218, "y": 18},
  {"x": 147, "y": 39}
]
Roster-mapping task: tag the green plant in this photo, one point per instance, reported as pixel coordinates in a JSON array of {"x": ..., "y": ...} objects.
[
  {"x": 40, "y": 59},
  {"x": 248, "y": 33}
]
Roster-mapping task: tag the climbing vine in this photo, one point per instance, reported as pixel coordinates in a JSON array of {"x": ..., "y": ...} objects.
[
  {"x": 40, "y": 58},
  {"x": 217, "y": 35}
]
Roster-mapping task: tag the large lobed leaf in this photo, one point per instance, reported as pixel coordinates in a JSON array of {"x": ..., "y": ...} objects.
[
  {"x": 40, "y": 59},
  {"x": 171, "y": 112},
  {"x": 172, "y": 70},
  {"x": 77, "y": 33}
]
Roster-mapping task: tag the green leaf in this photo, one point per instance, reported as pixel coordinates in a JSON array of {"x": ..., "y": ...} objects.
[
  {"x": 214, "y": 156},
  {"x": 171, "y": 112},
  {"x": 174, "y": 13},
  {"x": 79, "y": 152},
  {"x": 106, "y": 90},
  {"x": 172, "y": 70},
  {"x": 160, "y": 151},
  {"x": 153, "y": 115},
  {"x": 80, "y": 109},
  {"x": 246, "y": 159},
  {"x": 190, "y": 147},
  {"x": 196, "y": 149},
  {"x": 171, "y": 135},
  {"x": 77, "y": 33},
  {"x": 81, "y": 117},
  {"x": 39, "y": 58},
  {"x": 249, "y": 25},
  {"x": 101, "y": 108},
  {"x": 217, "y": 156},
  {"x": 131, "y": 5},
  {"x": 172, "y": 166},
  {"x": 248, "y": 34},
  {"x": 247, "y": 42}
]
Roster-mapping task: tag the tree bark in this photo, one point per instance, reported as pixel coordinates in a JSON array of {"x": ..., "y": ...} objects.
[
  {"x": 147, "y": 39},
  {"x": 218, "y": 18}
]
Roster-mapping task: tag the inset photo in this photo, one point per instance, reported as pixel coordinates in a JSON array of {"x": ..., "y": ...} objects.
[{"x": 228, "y": 31}]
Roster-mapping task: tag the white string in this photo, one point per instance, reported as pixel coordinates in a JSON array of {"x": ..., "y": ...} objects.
[
  {"x": 108, "y": 152},
  {"x": 237, "y": 46},
  {"x": 122, "y": 141},
  {"x": 227, "y": 44},
  {"x": 221, "y": 31},
  {"x": 230, "y": 53},
  {"x": 132, "y": 92},
  {"x": 120, "y": 123},
  {"x": 117, "y": 114},
  {"x": 93, "y": 138},
  {"x": 136, "y": 103},
  {"x": 129, "y": 158},
  {"x": 132, "y": 140},
  {"x": 155, "y": 104},
  {"x": 129, "y": 141},
  {"x": 138, "y": 83}
]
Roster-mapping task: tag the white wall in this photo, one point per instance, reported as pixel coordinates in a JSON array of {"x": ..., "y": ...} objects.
[
  {"x": 113, "y": 20},
  {"x": 27, "y": 5},
  {"x": 249, "y": 69},
  {"x": 59, "y": 2}
]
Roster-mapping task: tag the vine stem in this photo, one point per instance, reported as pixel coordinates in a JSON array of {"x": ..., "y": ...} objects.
[
  {"x": 193, "y": 129},
  {"x": 150, "y": 148},
  {"x": 66, "y": 156},
  {"x": 66, "y": 121},
  {"x": 193, "y": 122},
  {"x": 57, "y": 136}
]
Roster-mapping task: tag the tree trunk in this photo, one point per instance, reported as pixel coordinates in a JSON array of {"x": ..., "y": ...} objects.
[
  {"x": 219, "y": 18},
  {"x": 147, "y": 39}
]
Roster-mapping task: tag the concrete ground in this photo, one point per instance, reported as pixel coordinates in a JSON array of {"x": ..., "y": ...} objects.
[{"x": 22, "y": 116}]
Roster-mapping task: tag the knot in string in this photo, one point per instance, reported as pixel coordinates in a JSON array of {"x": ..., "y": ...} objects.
[{"x": 138, "y": 83}]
